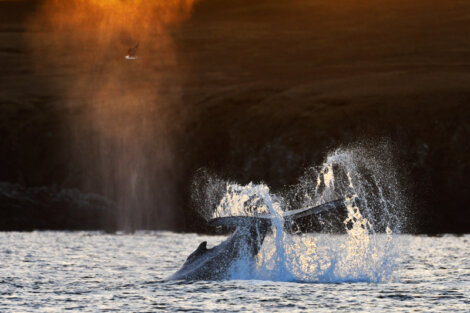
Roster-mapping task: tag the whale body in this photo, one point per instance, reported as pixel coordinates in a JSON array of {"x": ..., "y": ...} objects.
[
  {"x": 245, "y": 242},
  {"x": 215, "y": 263}
]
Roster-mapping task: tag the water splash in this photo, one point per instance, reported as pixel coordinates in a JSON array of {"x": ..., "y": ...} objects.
[
  {"x": 363, "y": 247},
  {"x": 249, "y": 200}
]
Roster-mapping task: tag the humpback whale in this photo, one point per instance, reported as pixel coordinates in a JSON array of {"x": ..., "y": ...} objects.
[{"x": 246, "y": 241}]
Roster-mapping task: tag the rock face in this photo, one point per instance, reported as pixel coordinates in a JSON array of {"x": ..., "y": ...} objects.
[
  {"x": 267, "y": 88},
  {"x": 428, "y": 139},
  {"x": 51, "y": 208}
]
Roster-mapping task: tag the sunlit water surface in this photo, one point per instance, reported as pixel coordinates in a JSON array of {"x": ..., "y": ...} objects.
[{"x": 92, "y": 271}]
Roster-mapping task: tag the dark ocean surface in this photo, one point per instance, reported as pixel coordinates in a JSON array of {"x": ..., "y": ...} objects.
[{"x": 94, "y": 271}]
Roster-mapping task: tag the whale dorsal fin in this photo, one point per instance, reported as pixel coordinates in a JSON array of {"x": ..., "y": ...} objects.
[
  {"x": 199, "y": 251},
  {"x": 202, "y": 246}
]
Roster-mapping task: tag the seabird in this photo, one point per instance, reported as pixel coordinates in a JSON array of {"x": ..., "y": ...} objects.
[{"x": 132, "y": 52}]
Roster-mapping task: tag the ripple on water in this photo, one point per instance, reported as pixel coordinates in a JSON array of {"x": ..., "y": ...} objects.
[{"x": 91, "y": 271}]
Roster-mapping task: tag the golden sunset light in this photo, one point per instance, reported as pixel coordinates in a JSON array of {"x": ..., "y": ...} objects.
[{"x": 234, "y": 155}]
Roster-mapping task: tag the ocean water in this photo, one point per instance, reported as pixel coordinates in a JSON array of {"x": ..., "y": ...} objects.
[{"x": 99, "y": 272}]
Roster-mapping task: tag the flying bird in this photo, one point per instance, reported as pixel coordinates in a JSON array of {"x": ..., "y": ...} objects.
[{"x": 132, "y": 52}]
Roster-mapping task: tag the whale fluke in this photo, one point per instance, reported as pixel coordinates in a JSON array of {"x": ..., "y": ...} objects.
[
  {"x": 235, "y": 221},
  {"x": 295, "y": 214}
]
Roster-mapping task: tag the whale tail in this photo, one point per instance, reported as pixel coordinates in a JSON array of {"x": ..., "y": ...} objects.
[
  {"x": 253, "y": 229},
  {"x": 264, "y": 221}
]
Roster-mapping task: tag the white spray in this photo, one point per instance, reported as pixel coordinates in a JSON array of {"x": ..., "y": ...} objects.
[{"x": 366, "y": 251}]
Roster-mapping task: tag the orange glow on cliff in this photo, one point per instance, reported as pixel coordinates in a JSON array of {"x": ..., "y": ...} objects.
[
  {"x": 95, "y": 35},
  {"x": 121, "y": 112}
]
